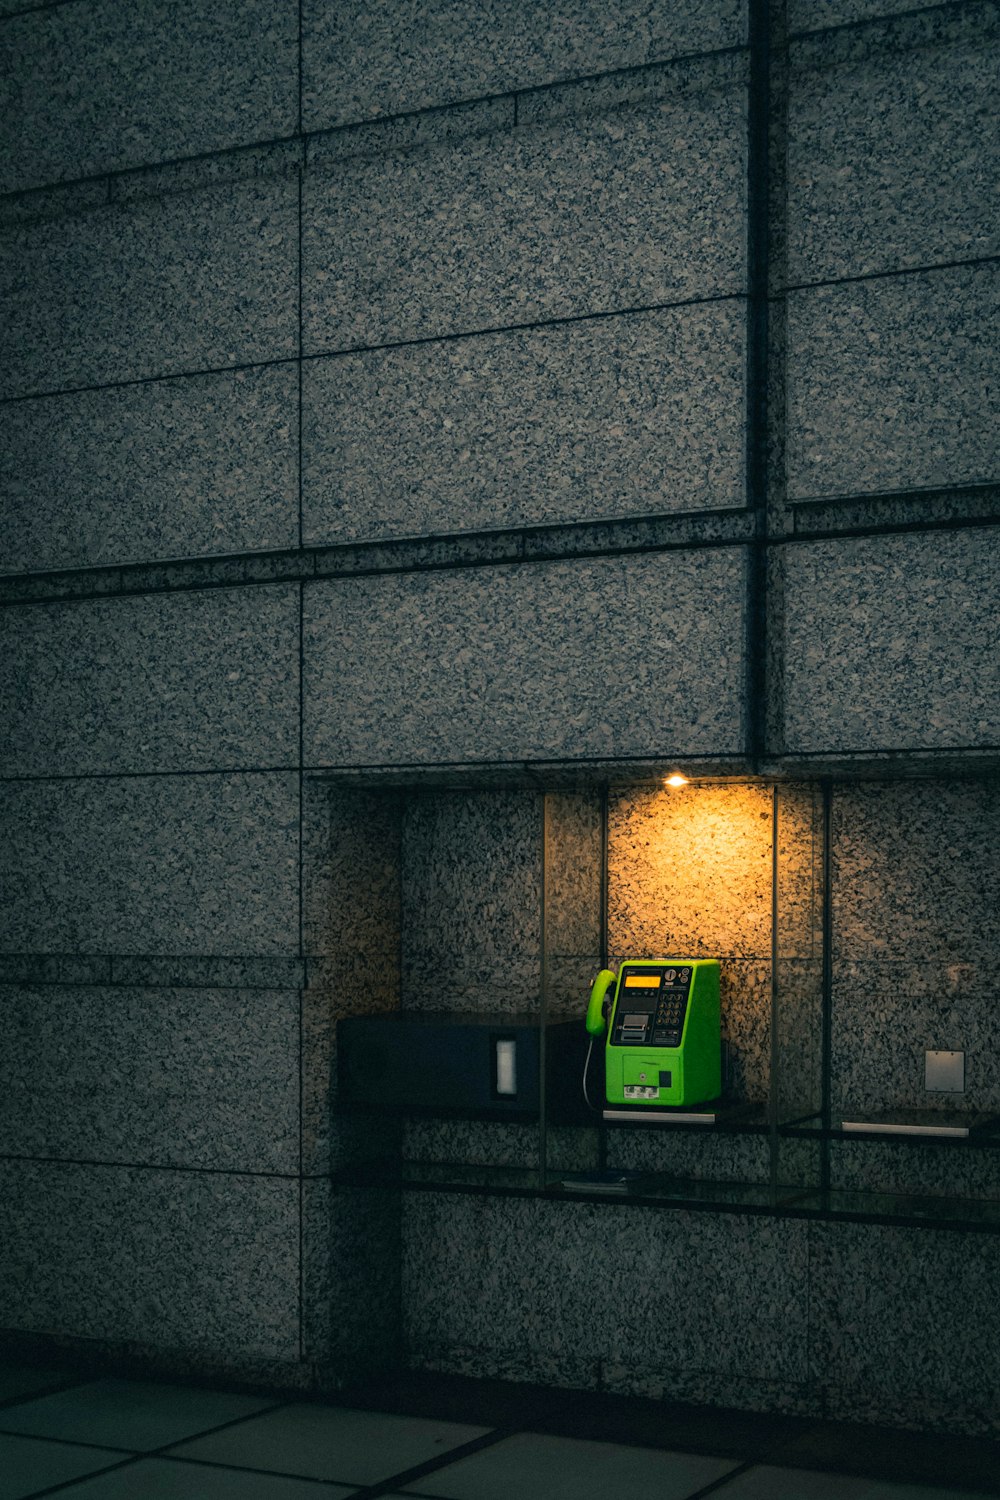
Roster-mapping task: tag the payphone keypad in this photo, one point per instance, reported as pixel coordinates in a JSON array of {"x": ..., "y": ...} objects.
[{"x": 651, "y": 1007}]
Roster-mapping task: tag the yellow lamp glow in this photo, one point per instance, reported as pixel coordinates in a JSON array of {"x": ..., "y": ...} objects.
[{"x": 677, "y": 780}]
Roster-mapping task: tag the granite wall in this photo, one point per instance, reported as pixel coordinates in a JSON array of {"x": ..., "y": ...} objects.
[{"x": 390, "y": 389}]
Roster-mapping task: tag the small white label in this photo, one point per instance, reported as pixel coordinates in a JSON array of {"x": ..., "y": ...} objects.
[
  {"x": 633, "y": 1091},
  {"x": 506, "y": 1068}
]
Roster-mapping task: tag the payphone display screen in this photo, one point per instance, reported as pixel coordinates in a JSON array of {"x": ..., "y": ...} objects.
[{"x": 651, "y": 1007}]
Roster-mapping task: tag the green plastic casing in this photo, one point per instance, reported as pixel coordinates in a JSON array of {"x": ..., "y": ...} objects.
[{"x": 694, "y": 1066}]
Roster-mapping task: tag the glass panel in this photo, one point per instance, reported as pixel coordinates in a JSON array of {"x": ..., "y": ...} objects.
[
  {"x": 352, "y": 938},
  {"x": 689, "y": 877},
  {"x": 571, "y": 1137},
  {"x": 914, "y": 903},
  {"x": 798, "y": 1054}
]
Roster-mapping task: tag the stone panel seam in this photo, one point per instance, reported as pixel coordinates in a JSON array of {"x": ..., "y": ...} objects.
[
  {"x": 77, "y": 776},
  {"x": 757, "y": 406},
  {"x": 359, "y": 560},
  {"x": 116, "y": 385},
  {"x": 893, "y": 273},
  {"x": 29, "y": 10},
  {"x": 167, "y": 185},
  {"x": 35, "y": 970},
  {"x": 988, "y": 490},
  {"x": 509, "y": 549},
  {"x": 148, "y": 1166},
  {"x": 870, "y": 35},
  {"x": 383, "y": 123},
  {"x": 636, "y": 310},
  {"x": 898, "y": 528}
]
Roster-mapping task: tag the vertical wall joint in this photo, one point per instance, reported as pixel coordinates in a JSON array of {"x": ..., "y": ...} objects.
[{"x": 758, "y": 109}]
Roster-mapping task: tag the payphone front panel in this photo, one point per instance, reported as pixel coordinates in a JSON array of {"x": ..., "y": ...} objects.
[{"x": 663, "y": 1041}]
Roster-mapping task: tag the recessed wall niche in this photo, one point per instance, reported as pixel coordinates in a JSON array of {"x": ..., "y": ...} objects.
[{"x": 504, "y": 900}]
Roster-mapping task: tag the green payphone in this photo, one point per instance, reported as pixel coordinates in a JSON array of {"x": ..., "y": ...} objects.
[{"x": 662, "y": 1020}]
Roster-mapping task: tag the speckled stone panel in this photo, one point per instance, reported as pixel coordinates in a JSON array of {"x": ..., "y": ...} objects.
[
  {"x": 193, "y": 681},
  {"x": 689, "y": 871},
  {"x": 490, "y": 1143},
  {"x": 361, "y": 61},
  {"x": 612, "y": 417},
  {"x": 589, "y": 214},
  {"x": 430, "y": 127},
  {"x": 893, "y": 161},
  {"x": 812, "y": 15},
  {"x": 888, "y": 1012},
  {"x": 352, "y": 841},
  {"x": 187, "y": 282},
  {"x": 270, "y": 159},
  {"x": 198, "y": 1261},
  {"x": 351, "y": 1241},
  {"x": 798, "y": 874},
  {"x": 920, "y": 1344},
  {"x": 527, "y": 662},
  {"x": 97, "y": 86},
  {"x": 705, "y": 1157},
  {"x": 797, "y": 1001},
  {"x": 738, "y": 1286},
  {"x": 573, "y": 855},
  {"x": 916, "y": 897},
  {"x": 179, "y": 1078},
  {"x": 471, "y": 907},
  {"x": 573, "y": 871},
  {"x": 889, "y": 642},
  {"x": 914, "y": 871},
  {"x": 180, "y": 468},
  {"x": 52, "y": 203},
  {"x": 892, "y": 383},
  {"x": 229, "y": 973},
  {"x": 931, "y": 1170},
  {"x": 352, "y": 879},
  {"x": 147, "y": 864},
  {"x": 708, "y": 1388}
]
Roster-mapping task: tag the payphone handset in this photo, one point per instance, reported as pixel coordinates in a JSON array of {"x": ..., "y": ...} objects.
[{"x": 662, "y": 1020}]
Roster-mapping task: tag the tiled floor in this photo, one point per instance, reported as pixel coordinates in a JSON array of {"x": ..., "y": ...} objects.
[{"x": 102, "y": 1439}]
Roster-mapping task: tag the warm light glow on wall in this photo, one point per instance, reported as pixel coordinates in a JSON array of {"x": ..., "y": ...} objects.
[{"x": 676, "y": 780}]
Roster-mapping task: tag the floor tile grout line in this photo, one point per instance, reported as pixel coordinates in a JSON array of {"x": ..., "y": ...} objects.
[
  {"x": 134, "y": 1456},
  {"x": 405, "y": 1477},
  {"x": 433, "y": 1465},
  {"x": 233, "y": 1468},
  {"x": 718, "y": 1485},
  {"x": 64, "y": 1442},
  {"x": 69, "y": 1484},
  {"x": 45, "y": 1437}
]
